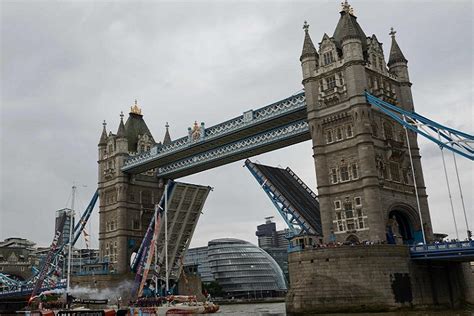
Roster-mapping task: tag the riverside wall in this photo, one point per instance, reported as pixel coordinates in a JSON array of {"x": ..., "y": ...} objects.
[{"x": 373, "y": 278}]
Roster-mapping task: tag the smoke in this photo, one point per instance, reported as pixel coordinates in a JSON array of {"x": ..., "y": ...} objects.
[{"x": 122, "y": 291}]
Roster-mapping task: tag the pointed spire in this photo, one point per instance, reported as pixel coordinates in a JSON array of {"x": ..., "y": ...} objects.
[
  {"x": 121, "y": 129},
  {"x": 346, "y": 7},
  {"x": 396, "y": 54},
  {"x": 103, "y": 137},
  {"x": 167, "y": 139},
  {"x": 308, "y": 46},
  {"x": 348, "y": 27}
]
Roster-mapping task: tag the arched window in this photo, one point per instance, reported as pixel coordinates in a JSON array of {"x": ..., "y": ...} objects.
[
  {"x": 338, "y": 133},
  {"x": 349, "y": 131},
  {"x": 329, "y": 138},
  {"x": 388, "y": 130}
]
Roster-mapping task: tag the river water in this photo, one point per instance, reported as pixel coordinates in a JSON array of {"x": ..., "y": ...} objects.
[{"x": 278, "y": 309}]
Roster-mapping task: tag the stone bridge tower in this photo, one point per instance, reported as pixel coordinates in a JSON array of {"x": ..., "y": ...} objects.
[
  {"x": 363, "y": 170},
  {"x": 126, "y": 201}
]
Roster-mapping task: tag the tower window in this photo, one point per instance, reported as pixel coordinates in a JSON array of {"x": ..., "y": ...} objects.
[
  {"x": 135, "y": 224},
  {"x": 355, "y": 172},
  {"x": 358, "y": 202},
  {"x": 338, "y": 133},
  {"x": 321, "y": 85},
  {"x": 344, "y": 173},
  {"x": 395, "y": 171},
  {"x": 341, "y": 79},
  {"x": 388, "y": 131},
  {"x": 329, "y": 138},
  {"x": 337, "y": 205},
  {"x": 331, "y": 82},
  {"x": 349, "y": 131},
  {"x": 334, "y": 175},
  {"x": 328, "y": 58}
]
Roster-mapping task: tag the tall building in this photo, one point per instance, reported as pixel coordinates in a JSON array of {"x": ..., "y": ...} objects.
[
  {"x": 68, "y": 223},
  {"x": 269, "y": 237},
  {"x": 126, "y": 201},
  {"x": 274, "y": 242},
  {"x": 363, "y": 169}
]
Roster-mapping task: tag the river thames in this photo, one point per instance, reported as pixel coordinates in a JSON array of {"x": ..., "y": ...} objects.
[{"x": 278, "y": 309}]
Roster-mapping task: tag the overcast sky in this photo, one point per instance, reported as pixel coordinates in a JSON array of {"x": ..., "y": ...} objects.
[{"x": 66, "y": 66}]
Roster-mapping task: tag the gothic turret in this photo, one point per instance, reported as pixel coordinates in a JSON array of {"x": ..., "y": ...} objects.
[
  {"x": 351, "y": 39},
  {"x": 137, "y": 131},
  {"x": 349, "y": 29},
  {"x": 103, "y": 142},
  {"x": 397, "y": 62},
  {"x": 167, "y": 138},
  {"x": 121, "y": 128},
  {"x": 103, "y": 137},
  {"x": 309, "y": 56},
  {"x": 121, "y": 140}
]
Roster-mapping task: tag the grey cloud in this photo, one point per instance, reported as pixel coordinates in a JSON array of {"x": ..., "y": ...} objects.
[{"x": 66, "y": 66}]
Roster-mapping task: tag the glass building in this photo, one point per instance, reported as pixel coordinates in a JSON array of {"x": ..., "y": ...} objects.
[
  {"x": 244, "y": 270},
  {"x": 198, "y": 257}
]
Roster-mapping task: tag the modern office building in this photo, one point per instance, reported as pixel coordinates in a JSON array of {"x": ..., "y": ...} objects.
[
  {"x": 274, "y": 242},
  {"x": 197, "y": 257},
  {"x": 241, "y": 268},
  {"x": 244, "y": 270}
]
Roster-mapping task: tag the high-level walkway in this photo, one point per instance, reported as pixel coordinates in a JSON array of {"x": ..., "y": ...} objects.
[{"x": 271, "y": 127}]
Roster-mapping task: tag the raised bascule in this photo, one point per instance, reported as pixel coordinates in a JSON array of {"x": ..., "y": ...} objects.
[{"x": 358, "y": 111}]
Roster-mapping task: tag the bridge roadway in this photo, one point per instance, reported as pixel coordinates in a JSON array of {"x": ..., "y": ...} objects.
[
  {"x": 456, "y": 251},
  {"x": 275, "y": 126}
]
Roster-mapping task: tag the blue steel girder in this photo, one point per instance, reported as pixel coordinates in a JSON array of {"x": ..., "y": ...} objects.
[
  {"x": 282, "y": 136},
  {"x": 294, "y": 221},
  {"x": 456, "y": 141},
  {"x": 446, "y": 251},
  {"x": 248, "y": 124}
]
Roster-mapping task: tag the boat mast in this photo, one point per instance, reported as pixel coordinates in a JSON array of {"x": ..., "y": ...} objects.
[
  {"x": 71, "y": 226},
  {"x": 166, "y": 238},
  {"x": 157, "y": 205}
]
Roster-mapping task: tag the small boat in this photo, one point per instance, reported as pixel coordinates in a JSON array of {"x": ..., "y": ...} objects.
[{"x": 172, "y": 305}]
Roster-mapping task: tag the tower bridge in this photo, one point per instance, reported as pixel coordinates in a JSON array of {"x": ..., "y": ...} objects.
[
  {"x": 254, "y": 132},
  {"x": 357, "y": 109}
]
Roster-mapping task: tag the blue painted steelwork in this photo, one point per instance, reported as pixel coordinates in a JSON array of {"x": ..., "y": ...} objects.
[
  {"x": 84, "y": 218},
  {"x": 243, "y": 122},
  {"x": 452, "y": 251},
  {"x": 294, "y": 220},
  {"x": 241, "y": 146},
  {"x": 445, "y": 137},
  {"x": 25, "y": 290}
]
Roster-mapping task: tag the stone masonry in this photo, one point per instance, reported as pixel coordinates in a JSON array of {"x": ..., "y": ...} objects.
[{"x": 363, "y": 170}]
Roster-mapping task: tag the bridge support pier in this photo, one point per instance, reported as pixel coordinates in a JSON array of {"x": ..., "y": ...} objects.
[{"x": 373, "y": 278}]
